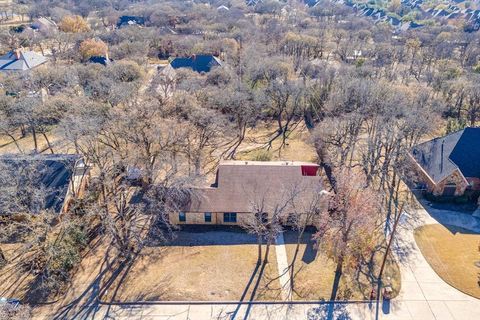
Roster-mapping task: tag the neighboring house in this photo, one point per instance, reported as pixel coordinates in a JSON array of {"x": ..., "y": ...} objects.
[
  {"x": 44, "y": 24},
  {"x": 100, "y": 60},
  {"x": 450, "y": 165},
  {"x": 240, "y": 185},
  {"x": 164, "y": 83},
  {"x": 198, "y": 63},
  {"x": 125, "y": 21},
  {"x": 223, "y": 8},
  {"x": 20, "y": 60},
  {"x": 62, "y": 177}
]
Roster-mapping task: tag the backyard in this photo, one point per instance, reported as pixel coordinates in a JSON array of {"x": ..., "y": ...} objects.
[{"x": 453, "y": 253}]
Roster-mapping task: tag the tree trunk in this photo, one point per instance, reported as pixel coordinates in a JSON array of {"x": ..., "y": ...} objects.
[
  {"x": 338, "y": 275},
  {"x": 15, "y": 142},
  {"x": 259, "y": 260},
  {"x": 267, "y": 251},
  {"x": 3, "y": 260},
  {"x": 35, "y": 142},
  {"x": 48, "y": 142}
]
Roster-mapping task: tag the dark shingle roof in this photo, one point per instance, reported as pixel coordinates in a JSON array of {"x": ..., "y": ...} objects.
[
  {"x": 52, "y": 173},
  {"x": 130, "y": 20},
  {"x": 466, "y": 154},
  {"x": 441, "y": 156},
  {"x": 198, "y": 63},
  {"x": 101, "y": 60}
]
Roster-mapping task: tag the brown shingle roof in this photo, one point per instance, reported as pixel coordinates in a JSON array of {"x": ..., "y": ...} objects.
[{"x": 239, "y": 184}]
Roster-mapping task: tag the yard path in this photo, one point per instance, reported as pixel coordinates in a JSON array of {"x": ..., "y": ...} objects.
[{"x": 283, "y": 270}]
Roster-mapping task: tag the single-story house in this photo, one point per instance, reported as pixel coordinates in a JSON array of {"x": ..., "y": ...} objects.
[
  {"x": 449, "y": 165},
  {"x": 44, "y": 24},
  {"x": 19, "y": 60},
  {"x": 241, "y": 186},
  {"x": 58, "y": 179},
  {"x": 198, "y": 63}
]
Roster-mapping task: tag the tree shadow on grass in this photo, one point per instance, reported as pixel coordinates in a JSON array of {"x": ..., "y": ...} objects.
[
  {"x": 245, "y": 291},
  {"x": 87, "y": 304}
]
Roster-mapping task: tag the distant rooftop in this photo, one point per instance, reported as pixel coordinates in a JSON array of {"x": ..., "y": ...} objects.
[
  {"x": 441, "y": 156},
  {"x": 198, "y": 63},
  {"x": 52, "y": 172},
  {"x": 124, "y": 21},
  {"x": 20, "y": 60}
]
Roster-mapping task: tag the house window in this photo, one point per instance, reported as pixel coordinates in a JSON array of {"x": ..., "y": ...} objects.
[
  {"x": 262, "y": 217},
  {"x": 230, "y": 217},
  {"x": 182, "y": 217},
  {"x": 291, "y": 219},
  {"x": 208, "y": 217}
]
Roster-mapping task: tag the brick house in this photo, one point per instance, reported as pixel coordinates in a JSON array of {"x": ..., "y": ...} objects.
[
  {"x": 449, "y": 165},
  {"x": 240, "y": 184}
]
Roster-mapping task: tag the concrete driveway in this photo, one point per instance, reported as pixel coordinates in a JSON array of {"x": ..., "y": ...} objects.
[{"x": 424, "y": 295}]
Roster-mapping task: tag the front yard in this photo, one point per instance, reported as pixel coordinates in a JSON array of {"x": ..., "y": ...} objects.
[
  {"x": 453, "y": 253},
  {"x": 221, "y": 265},
  {"x": 211, "y": 266},
  {"x": 315, "y": 273}
]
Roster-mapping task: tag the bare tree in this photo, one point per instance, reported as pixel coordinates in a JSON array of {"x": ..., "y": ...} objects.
[{"x": 347, "y": 228}]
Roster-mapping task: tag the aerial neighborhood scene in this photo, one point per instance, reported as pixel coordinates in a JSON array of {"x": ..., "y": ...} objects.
[{"x": 240, "y": 159}]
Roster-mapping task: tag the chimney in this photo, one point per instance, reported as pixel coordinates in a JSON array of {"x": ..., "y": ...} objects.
[
  {"x": 106, "y": 55},
  {"x": 17, "y": 54}
]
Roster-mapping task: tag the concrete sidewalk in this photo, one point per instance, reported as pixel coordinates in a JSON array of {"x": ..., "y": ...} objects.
[{"x": 282, "y": 265}]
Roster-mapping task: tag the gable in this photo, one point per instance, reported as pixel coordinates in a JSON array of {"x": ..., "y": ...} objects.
[
  {"x": 466, "y": 154},
  {"x": 440, "y": 157}
]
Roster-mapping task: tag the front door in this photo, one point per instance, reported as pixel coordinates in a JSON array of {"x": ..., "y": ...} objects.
[{"x": 449, "y": 189}]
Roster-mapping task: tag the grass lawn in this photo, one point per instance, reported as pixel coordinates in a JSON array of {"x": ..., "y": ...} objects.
[
  {"x": 13, "y": 281},
  {"x": 296, "y": 149},
  {"x": 199, "y": 272},
  {"x": 315, "y": 274},
  {"x": 452, "y": 252}
]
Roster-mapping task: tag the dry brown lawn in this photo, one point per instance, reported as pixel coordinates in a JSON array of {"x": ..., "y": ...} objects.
[
  {"x": 27, "y": 145},
  {"x": 194, "y": 273},
  {"x": 452, "y": 252},
  {"x": 13, "y": 281},
  {"x": 315, "y": 273},
  {"x": 297, "y": 148}
]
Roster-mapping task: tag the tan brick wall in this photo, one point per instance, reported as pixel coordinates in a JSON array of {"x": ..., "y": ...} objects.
[
  {"x": 199, "y": 218},
  {"x": 456, "y": 178}
]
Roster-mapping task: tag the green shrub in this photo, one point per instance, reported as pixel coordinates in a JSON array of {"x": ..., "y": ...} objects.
[{"x": 262, "y": 155}]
